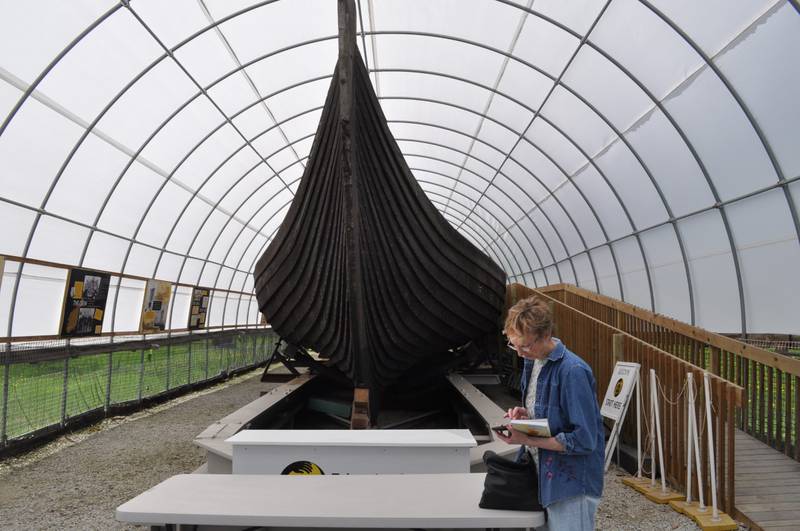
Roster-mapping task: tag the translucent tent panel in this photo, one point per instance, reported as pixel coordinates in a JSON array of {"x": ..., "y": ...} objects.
[
  {"x": 636, "y": 285},
  {"x": 646, "y": 150},
  {"x": 41, "y": 290}
]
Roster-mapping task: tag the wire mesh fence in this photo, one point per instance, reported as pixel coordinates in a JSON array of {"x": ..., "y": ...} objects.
[{"x": 42, "y": 394}]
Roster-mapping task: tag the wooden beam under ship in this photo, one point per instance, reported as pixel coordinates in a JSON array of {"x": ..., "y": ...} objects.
[{"x": 364, "y": 269}]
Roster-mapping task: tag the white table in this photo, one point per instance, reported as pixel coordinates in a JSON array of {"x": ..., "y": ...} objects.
[
  {"x": 352, "y": 451},
  {"x": 357, "y": 501}
]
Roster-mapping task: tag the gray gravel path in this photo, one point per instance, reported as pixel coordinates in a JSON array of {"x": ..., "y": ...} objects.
[{"x": 77, "y": 481}]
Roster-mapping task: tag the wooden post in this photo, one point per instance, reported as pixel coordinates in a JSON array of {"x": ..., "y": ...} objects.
[
  {"x": 714, "y": 361},
  {"x": 359, "y": 417},
  {"x": 618, "y": 346},
  {"x": 552, "y": 307}
]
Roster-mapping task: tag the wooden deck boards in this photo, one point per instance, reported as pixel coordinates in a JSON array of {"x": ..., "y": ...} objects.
[{"x": 767, "y": 485}]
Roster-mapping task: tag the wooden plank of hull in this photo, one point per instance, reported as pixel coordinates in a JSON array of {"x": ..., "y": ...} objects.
[{"x": 364, "y": 269}]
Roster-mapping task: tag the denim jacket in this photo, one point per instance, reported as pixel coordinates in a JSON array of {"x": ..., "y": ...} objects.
[{"x": 566, "y": 394}]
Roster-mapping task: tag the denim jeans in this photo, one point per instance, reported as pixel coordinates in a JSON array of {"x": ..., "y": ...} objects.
[{"x": 573, "y": 514}]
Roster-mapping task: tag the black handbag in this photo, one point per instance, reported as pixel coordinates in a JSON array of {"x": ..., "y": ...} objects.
[{"x": 512, "y": 485}]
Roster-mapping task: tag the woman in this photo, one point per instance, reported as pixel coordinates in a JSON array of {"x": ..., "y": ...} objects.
[{"x": 559, "y": 386}]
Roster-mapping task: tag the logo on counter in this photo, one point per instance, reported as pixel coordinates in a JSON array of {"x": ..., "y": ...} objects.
[{"x": 303, "y": 468}]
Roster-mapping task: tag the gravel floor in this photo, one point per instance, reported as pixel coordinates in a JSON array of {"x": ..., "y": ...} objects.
[{"x": 77, "y": 481}]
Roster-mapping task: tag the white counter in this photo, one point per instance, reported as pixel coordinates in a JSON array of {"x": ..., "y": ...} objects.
[
  {"x": 351, "y": 451},
  {"x": 359, "y": 501}
]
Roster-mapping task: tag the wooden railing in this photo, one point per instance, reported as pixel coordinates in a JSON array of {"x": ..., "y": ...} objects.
[
  {"x": 771, "y": 381},
  {"x": 593, "y": 340}
]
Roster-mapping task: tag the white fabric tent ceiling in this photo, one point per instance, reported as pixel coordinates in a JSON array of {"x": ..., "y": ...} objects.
[{"x": 644, "y": 149}]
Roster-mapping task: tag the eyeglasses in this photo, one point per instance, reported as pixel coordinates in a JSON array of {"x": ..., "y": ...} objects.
[{"x": 522, "y": 348}]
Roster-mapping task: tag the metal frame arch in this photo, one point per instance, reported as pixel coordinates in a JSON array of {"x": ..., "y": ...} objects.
[
  {"x": 756, "y": 128},
  {"x": 524, "y": 132},
  {"x": 523, "y": 191},
  {"x": 187, "y": 255},
  {"x": 503, "y": 192},
  {"x": 495, "y": 218},
  {"x": 734, "y": 254},
  {"x": 629, "y": 75},
  {"x": 169, "y": 176},
  {"x": 168, "y": 179},
  {"x": 221, "y": 125},
  {"x": 647, "y": 268},
  {"x": 32, "y": 87},
  {"x": 238, "y": 62},
  {"x": 431, "y": 183},
  {"x": 88, "y": 130},
  {"x": 622, "y": 69},
  {"x": 667, "y": 222},
  {"x": 216, "y": 281},
  {"x": 244, "y": 226},
  {"x": 243, "y": 66},
  {"x": 688, "y": 215},
  {"x": 482, "y": 178},
  {"x": 517, "y": 32},
  {"x": 596, "y": 111},
  {"x": 566, "y": 212},
  {"x": 236, "y": 239},
  {"x": 230, "y": 188},
  {"x": 271, "y": 53},
  {"x": 233, "y": 214},
  {"x": 546, "y": 155},
  {"x": 90, "y": 227},
  {"x": 506, "y": 258},
  {"x": 230, "y": 283}
]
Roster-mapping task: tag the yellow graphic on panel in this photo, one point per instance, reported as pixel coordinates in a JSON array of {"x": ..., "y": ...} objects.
[{"x": 302, "y": 468}]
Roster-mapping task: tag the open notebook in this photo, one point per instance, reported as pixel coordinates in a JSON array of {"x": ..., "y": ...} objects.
[{"x": 535, "y": 427}]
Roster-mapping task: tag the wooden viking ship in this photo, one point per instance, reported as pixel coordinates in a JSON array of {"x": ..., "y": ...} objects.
[{"x": 364, "y": 269}]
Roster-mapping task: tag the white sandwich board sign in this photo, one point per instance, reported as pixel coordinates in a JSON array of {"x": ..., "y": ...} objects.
[
  {"x": 618, "y": 395},
  {"x": 619, "y": 390}
]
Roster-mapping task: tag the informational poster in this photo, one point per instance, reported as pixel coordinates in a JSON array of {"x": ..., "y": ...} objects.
[
  {"x": 619, "y": 390},
  {"x": 85, "y": 303},
  {"x": 199, "y": 308},
  {"x": 156, "y": 304}
]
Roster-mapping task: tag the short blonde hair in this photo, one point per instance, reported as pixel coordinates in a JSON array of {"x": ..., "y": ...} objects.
[{"x": 532, "y": 316}]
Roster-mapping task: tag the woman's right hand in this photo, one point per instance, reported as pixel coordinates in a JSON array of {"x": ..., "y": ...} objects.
[{"x": 516, "y": 413}]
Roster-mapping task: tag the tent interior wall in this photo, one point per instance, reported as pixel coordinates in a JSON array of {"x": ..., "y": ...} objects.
[{"x": 642, "y": 149}]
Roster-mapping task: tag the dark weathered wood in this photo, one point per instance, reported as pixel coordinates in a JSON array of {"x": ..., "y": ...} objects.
[{"x": 364, "y": 269}]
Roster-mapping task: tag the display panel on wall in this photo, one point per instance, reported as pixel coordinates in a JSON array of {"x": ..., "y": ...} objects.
[
  {"x": 84, "y": 303},
  {"x": 156, "y": 302},
  {"x": 199, "y": 309}
]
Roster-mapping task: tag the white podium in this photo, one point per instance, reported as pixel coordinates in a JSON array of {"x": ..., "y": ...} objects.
[{"x": 332, "y": 452}]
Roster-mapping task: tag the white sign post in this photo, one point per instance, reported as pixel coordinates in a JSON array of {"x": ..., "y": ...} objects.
[{"x": 615, "y": 404}]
